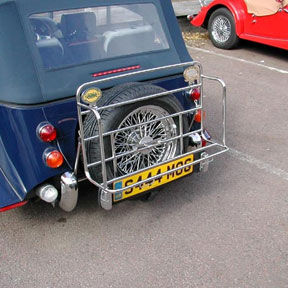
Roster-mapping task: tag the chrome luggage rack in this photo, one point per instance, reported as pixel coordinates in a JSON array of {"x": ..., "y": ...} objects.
[{"x": 106, "y": 186}]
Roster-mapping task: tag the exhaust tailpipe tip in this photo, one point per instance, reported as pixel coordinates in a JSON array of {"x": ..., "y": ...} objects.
[{"x": 47, "y": 193}]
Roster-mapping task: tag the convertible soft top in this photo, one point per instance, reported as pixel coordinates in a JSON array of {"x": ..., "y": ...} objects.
[
  {"x": 25, "y": 79},
  {"x": 264, "y": 7}
]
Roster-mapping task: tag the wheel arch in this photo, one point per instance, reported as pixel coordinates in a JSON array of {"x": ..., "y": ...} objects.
[{"x": 237, "y": 9}]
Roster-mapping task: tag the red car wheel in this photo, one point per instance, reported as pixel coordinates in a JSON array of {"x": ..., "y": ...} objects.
[{"x": 221, "y": 28}]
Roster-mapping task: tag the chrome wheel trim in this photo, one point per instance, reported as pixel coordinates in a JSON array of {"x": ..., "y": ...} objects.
[
  {"x": 221, "y": 29},
  {"x": 135, "y": 140}
]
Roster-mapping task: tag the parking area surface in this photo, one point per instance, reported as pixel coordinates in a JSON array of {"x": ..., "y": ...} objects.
[{"x": 224, "y": 228}]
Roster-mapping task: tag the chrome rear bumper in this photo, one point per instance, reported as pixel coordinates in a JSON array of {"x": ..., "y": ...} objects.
[{"x": 69, "y": 191}]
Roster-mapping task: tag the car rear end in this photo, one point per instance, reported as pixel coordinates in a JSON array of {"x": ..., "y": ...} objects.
[{"x": 81, "y": 59}]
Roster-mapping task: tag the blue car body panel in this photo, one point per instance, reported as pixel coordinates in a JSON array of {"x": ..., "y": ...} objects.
[{"x": 21, "y": 150}]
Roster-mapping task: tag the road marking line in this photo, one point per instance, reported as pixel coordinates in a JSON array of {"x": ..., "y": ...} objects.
[
  {"x": 239, "y": 59},
  {"x": 259, "y": 164}
]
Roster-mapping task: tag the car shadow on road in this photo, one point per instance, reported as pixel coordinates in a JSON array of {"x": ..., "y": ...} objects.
[
  {"x": 171, "y": 197},
  {"x": 266, "y": 50}
]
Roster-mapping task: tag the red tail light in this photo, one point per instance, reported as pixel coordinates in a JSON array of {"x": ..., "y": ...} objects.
[
  {"x": 195, "y": 94},
  {"x": 47, "y": 132},
  {"x": 53, "y": 159},
  {"x": 206, "y": 137},
  {"x": 198, "y": 116},
  {"x": 118, "y": 70},
  {"x": 204, "y": 142}
]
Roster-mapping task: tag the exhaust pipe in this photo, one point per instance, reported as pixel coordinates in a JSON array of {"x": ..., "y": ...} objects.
[
  {"x": 69, "y": 192},
  {"x": 47, "y": 193}
]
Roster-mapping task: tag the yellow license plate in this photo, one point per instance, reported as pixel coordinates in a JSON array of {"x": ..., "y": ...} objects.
[{"x": 150, "y": 184}]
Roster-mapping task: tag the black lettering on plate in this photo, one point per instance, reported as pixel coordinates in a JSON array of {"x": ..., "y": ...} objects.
[
  {"x": 187, "y": 169},
  {"x": 127, "y": 183},
  {"x": 158, "y": 178},
  {"x": 179, "y": 172},
  {"x": 140, "y": 186},
  {"x": 151, "y": 181},
  {"x": 172, "y": 173}
]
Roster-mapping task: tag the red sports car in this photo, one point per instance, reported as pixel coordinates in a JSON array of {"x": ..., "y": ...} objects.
[{"x": 263, "y": 21}]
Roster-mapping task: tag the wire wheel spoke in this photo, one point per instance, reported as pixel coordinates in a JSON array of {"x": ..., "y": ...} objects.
[
  {"x": 221, "y": 29},
  {"x": 137, "y": 147}
]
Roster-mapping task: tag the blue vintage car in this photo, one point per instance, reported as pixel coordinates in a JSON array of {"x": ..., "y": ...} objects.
[{"x": 98, "y": 90}]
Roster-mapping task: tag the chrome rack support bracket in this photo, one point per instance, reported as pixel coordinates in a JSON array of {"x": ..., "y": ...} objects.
[
  {"x": 105, "y": 200},
  {"x": 204, "y": 164}
]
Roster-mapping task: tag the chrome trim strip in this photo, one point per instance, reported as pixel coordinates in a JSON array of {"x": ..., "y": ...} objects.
[
  {"x": 141, "y": 149},
  {"x": 137, "y": 125},
  {"x": 139, "y": 99},
  {"x": 87, "y": 84}
]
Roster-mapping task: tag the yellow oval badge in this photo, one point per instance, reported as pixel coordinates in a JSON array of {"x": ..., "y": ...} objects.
[{"x": 91, "y": 95}]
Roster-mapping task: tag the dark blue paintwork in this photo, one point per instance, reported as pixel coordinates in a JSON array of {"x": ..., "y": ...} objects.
[
  {"x": 21, "y": 150},
  {"x": 30, "y": 95}
]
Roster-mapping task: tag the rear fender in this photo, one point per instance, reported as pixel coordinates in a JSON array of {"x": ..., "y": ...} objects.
[{"x": 236, "y": 7}]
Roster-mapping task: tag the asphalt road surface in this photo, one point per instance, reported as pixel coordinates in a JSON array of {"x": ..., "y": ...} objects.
[{"x": 224, "y": 228}]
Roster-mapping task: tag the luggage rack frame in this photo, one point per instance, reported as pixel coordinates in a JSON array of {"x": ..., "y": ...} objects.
[{"x": 106, "y": 186}]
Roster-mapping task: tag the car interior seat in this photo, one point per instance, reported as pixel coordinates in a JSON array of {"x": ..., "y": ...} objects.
[{"x": 81, "y": 38}]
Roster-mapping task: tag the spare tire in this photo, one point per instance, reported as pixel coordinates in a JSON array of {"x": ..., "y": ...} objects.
[{"x": 134, "y": 140}]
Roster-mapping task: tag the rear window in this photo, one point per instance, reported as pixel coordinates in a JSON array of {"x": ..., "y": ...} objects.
[{"x": 78, "y": 36}]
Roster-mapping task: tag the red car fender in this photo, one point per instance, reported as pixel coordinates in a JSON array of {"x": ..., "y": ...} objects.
[{"x": 236, "y": 7}]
